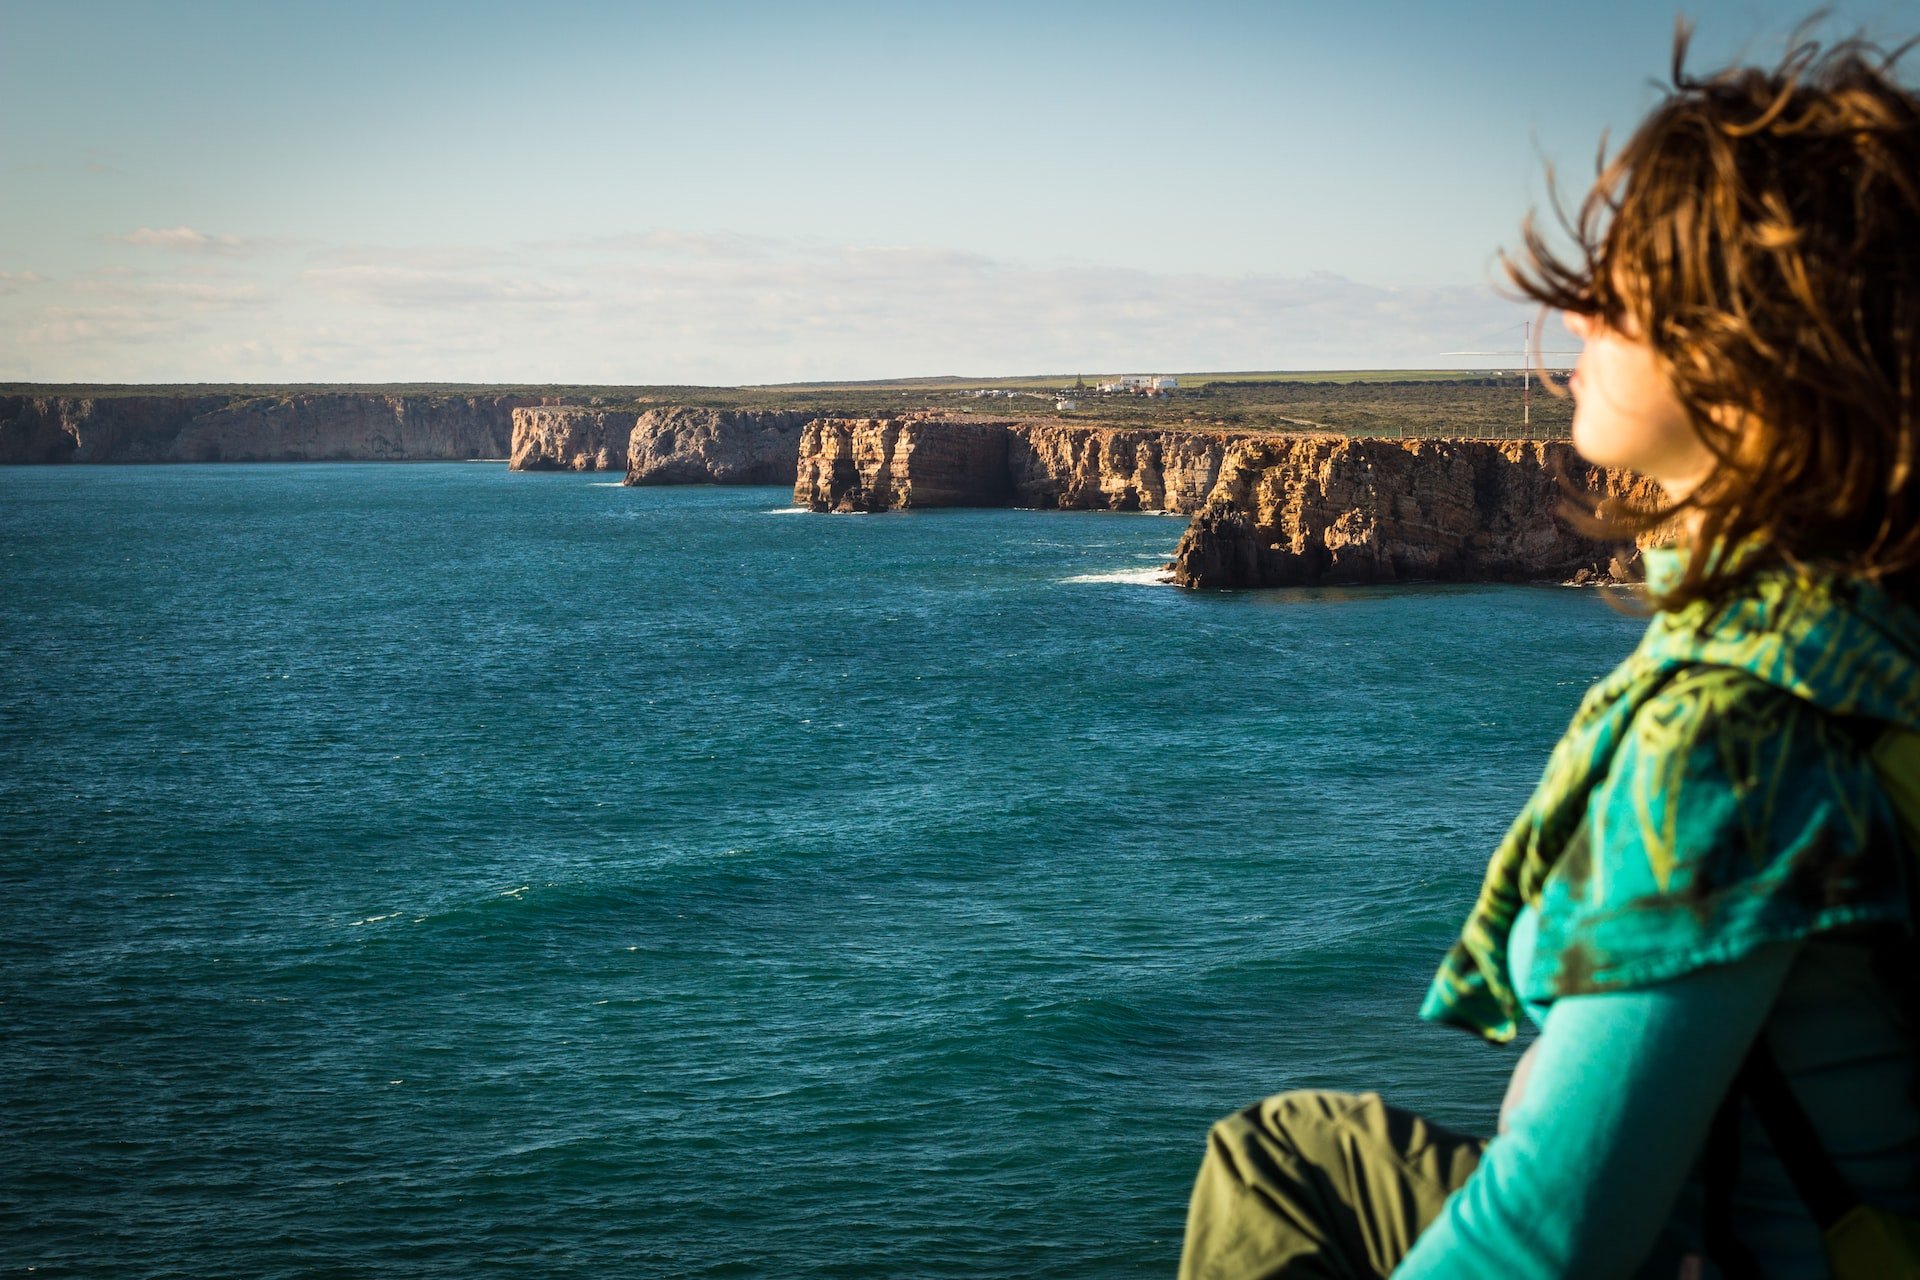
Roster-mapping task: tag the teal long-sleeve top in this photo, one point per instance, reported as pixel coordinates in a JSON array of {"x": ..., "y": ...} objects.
[{"x": 1595, "y": 1174}]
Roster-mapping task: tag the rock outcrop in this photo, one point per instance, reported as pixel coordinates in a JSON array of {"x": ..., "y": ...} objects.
[
  {"x": 715, "y": 446},
  {"x": 1055, "y": 464},
  {"x": 323, "y": 426},
  {"x": 1268, "y": 510},
  {"x": 109, "y": 429},
  {"x": 1295, "y": 511},
  {"x": 882, "y": 464},
  {"x": 570, "y": 438},
  {"x": 877, "y": 464}
]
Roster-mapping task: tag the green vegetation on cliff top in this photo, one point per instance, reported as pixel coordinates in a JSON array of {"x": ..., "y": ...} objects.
[{"x": 1397, "y": 402}]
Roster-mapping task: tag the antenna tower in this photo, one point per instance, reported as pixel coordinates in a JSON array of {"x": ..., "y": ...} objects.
[{"x": 1526, "y": 373}]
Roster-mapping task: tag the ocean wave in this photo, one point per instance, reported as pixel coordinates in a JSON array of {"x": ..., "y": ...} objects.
[
  {"x": 789, "y": 511},
  {"x": 1156, "y": 576}
]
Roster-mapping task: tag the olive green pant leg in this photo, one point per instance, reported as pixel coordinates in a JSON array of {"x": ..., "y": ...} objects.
[{"x": 1312, "y": 1185}]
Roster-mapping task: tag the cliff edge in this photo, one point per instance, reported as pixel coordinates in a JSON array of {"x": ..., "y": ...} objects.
[
  {"x": 569, "y": 438},
  {"x": 683, "y": 445},
  {"x": 1304, "y": 511},
  {"x": 323, "y": 426},
  {"x": 882, "y": 464},
  {"x": 1268, "y": 510}
]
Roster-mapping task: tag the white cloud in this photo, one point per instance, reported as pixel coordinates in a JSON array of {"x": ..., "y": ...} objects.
[
  {"x": 97, "y": 327},
  {"x": 671, "y": 242},
  {"x": 191, "y": 290},
  {"x": 439, "y": 257},
  {"x": 670, "y": 306},
  {"x": 390, "y": 286},
  {"x": 184, "y": 240}
]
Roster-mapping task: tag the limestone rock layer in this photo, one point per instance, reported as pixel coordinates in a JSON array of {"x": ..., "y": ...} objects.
[
  {"x": 1310, "y": 510},
  {"x": 1113, "y": 469},
  {"x": 881, "y": 464},
  {"x": 1269, "y": 510},
  {"x": 682, "y": 445},
  {"x": 294, "y": 427},
  {"x": 570, "y": 438}
]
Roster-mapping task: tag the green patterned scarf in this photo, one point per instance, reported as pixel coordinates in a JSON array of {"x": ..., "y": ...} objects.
[{"x": 1709, "y": 838}]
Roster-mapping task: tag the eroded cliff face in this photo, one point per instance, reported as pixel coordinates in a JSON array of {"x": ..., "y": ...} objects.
[
  {"x": 1268, "y": 510},
  {"x": 1111, "y": 469},
  {"x": 683, "y": 445},
  {"x": 570, "y": 438},
  {"x": 83, "y": 429},
  {"x": 327, "y": 426},
  {"x": 1309, "y": 510},
  {"x": 881, "y": 464},
  {"x": 849, "y": 464}
]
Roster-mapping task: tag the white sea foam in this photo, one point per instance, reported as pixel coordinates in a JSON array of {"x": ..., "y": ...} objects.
[
  {"x": 1154, "y": 577},
  {"x": 790, "y": 511},
  {"x": 606, "y": 484}
]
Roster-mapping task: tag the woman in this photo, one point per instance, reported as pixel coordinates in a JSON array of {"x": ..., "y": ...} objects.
[{"x": 1709, "y": 888}]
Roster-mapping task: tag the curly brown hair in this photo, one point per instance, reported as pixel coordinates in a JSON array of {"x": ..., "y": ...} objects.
[{"x": 1761, "y": 228}]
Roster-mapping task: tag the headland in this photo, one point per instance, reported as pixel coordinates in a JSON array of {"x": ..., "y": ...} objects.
[{"x": 1286, "y": 480}]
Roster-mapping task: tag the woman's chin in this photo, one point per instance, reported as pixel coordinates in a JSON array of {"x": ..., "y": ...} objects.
[{"x": 1592, "y": 446}]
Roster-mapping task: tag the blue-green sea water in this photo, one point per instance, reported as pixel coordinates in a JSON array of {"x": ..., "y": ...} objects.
[{"x": 431, "y": 870}]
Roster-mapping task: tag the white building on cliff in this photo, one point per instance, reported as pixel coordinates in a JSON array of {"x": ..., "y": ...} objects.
[{"x": 1141, "y": 384}]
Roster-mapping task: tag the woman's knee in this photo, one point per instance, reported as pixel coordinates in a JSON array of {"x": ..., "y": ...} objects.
[{"x": 1285, "y": 1133}]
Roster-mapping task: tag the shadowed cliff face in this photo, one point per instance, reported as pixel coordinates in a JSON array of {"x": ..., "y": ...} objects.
[
  {"x": 714, "y": 446},
  {"x": 569, "y": 438},
  {"x": 1297, "y": 511},
  {"x": 76, "y": 429},
  {"x": 341, "y": 426},
  {"x": 1091, "y": 468},
  {"x": 1270, "y": 510},
  {"x": 880, "y": 464}
]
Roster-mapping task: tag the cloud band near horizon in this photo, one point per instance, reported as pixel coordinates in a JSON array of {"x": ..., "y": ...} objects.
[{"x": 672, "y": 307}]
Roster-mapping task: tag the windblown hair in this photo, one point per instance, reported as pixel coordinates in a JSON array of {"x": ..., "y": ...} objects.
[{"x": 1762, "y": 230}]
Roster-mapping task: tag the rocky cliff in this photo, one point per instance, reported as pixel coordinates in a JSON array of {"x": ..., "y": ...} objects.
[
  {"x": 879, "y": 464},
  {"x": 1269, "y": 510},
  {"x": 876, "y": 464},
  {"x": 255, "y": 428},
  {"x": 1056, "y": 464},
  {"x": 715, "y": 446},
  {"x": 1306, "y": 510},
  {"x": 570, "y": 438}
]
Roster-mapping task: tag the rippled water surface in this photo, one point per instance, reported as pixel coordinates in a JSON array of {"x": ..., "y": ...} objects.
[{"x": 431, "y": 870}]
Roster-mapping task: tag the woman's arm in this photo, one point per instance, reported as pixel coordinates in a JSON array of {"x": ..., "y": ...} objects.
[
  {"x": 1623, "y": 1088},
  {"x": 1517, "y": 1085}
]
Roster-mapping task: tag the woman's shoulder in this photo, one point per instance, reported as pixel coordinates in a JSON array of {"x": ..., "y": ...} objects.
[
  {"x": 1734, "y": 813},
  {"x": 1706, "y": 698},
  {"x": 1717, "y": 739}
]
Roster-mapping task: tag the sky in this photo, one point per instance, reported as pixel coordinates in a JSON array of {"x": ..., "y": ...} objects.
[{"x": 725, "y": 193}]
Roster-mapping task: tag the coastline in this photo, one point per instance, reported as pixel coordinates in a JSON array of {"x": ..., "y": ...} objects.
[{"x": 1264, "y": 507}]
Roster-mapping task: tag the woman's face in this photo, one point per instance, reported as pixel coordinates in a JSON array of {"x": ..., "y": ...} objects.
[{"x": 1625, "y": 411}]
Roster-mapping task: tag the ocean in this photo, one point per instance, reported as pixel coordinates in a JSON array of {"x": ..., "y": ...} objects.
[{"x": 424, "y": 869}]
